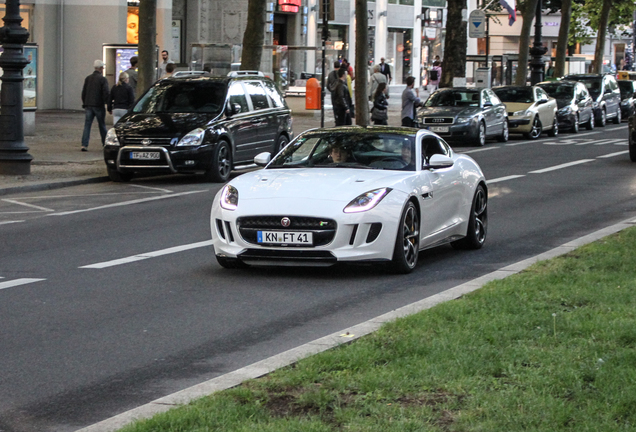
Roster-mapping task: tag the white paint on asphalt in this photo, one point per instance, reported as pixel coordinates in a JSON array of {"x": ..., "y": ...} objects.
[
  {"x": 147, "y": 255},
  {"x": 613, "y": 154},
  {"x": 126, "y": 203},
  {"x": 557, "y": 167},
  {"x": 151, "y": 188},
  {"x": 483, "y": 149},
  {"x": 17, "y": 282},
  {"x": 10, "y": 222},
  {"x": 333, "y": 340},
  {"x": 12, "y": 201},
  {"x": 501, "y": 179}
]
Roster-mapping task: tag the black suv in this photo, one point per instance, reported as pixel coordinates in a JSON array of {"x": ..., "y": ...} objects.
[
  {"x": 197, "y": 124},
  {"x": 605, "y": 94}
]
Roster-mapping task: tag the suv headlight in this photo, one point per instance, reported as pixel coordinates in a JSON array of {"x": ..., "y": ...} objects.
[
  {"x": 229, "y": 197},
  {"x": 192, "y": 138},
  {"x": 366, "y": 201},
  {"x": 111, "y": 138}
]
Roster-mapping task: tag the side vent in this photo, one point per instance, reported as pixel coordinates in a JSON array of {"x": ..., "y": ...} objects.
[
  {"x": 219, "y": 227},
  {"x": 353, "y": 234},
  {"x": 374, "y": 232},
  {"x": 228, "y": 230}
]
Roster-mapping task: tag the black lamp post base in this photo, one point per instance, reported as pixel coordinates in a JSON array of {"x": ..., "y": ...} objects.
[{"x": 15, "y": 164}]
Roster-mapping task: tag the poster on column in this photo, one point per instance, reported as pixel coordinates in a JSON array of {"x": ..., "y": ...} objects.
[{"x": 30, "y": 74}]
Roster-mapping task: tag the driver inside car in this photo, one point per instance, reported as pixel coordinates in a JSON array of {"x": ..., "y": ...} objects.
[{"x": 338, "y": 154}]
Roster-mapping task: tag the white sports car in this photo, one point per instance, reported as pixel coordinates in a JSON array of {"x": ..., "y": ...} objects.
[{"x": 351, "y": 194}]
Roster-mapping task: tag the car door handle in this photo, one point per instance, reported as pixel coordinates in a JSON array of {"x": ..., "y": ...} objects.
[{"x": 255, "y": 121}]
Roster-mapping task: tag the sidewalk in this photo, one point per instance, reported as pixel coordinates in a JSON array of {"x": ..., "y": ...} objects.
[{"x": 58, "y": 161}]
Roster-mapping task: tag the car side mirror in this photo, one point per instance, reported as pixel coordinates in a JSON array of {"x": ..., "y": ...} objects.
[
  {"x": 262, "y": 159},
  {"x": 438, "y": 161},
  {"x": 487, "y": 104},
  {"x": 232, "y": 109},
  {"x": 542, "y": 101}
]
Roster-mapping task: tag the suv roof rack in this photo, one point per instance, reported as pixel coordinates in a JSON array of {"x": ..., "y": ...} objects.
[
  {"x": 235, "y": 74},
  {"x": 189, "y": 73}
]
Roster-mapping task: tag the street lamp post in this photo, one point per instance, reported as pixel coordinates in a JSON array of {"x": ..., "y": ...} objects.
[
  {"x": 537, "y": 65},
  {"x": 14, "y": 159}
]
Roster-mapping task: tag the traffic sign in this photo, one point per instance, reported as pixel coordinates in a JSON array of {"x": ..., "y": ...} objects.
[{"x": 477, "y": 24}]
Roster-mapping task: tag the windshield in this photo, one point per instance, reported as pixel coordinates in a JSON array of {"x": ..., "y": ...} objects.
[
  {"x": 386, "y": 151},
  {"x": 627, "y": 89},
  {"x": 183, "y": 97},
  {"x": 559, "y": 91},
  {"x": 593, "y": 85},
  {"x": 451, "y": 98},
  {"x": 515, "y": 94}
]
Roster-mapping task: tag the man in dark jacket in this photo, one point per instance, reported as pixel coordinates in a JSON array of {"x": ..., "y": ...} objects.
[
  {"x": 341, "y": 100},
  {"x": 132, "y": 74},
  {"x": 94, "y": 97}
]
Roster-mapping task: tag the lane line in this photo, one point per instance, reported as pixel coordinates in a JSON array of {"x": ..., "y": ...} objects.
[
  {"x": 147, "y": 255},
  {"x": 557, "y": 167},
  {"x": 612, "y": 154},
  {"x": 480, "y": 150},
  {"x": 10, "y": 222},
  {"x": 125, "y": 203},
  {"x": 17, "y": 282},
  {"x": 151, "y": 188},
  {"x": 12, "y": 201},
  {"x": 502, "y": 179}
]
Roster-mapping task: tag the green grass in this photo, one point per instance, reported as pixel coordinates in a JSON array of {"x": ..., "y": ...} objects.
[{"x": 550, "y": 349}]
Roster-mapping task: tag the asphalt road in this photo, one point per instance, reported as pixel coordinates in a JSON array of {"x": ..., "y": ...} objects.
[{"x": 110, "y": 296}]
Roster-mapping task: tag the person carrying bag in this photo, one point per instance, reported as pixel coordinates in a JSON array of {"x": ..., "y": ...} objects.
[{"x": 380, "y": 110}]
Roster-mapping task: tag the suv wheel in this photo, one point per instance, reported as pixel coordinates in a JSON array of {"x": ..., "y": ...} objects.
[
  {"x": 282, "y": 142},
  {"x": 221, "y": 166},
  {"x": 117, "y": 176}
]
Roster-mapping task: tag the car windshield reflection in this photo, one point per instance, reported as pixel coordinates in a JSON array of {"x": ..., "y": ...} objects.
[
  {"x": 183, "y": 97},
  {"x": 453, "y": 98},
  {"x": 515, "y": 95},
  {"x": 348, "y": 150},
  {"x": 559, "y": 91}
]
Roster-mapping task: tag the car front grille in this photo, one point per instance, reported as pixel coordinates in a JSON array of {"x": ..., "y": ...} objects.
[
  {"x": 438, "y": 120},
  {"x": 323, "y": 230},
  {"x": 146, "y": 141}
]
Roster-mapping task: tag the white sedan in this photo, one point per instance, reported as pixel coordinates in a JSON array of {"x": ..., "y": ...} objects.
[{"x": 351, "y": 194}]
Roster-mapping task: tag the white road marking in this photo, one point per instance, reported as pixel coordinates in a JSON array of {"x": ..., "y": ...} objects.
[
  {"x": 480, "y": 150},
  {"x": 151, "y": 188},
  {"x": 613, "y": 154},
  {"x": 571, "y": 141},
  {"x": 615, "y": 141},
  {"x": 16, "y": 282},
  {"x": 589, "y": 133},
  {"x": 557, "y": 167},
  {"x": 27, "y": 205},
  {"x": 501, "y": 179},
  {"x": 125, "y": 203},
  {"x": 147, "y": 255},
  {"x": 10, "y": 222}
]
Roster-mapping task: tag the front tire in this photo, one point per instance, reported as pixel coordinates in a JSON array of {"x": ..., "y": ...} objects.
[
  {"x": 535, "y": 132},
  {"x": 555, "y": 128},
  {"x": 618, "y": 118},
  {"x": 117, "y": 176},
  {"x": 504, "y": 133},
  {"x": 221, "y": 166},
  {"x": 590, "y": 123},
  {"x": 280, "y": 144},
  {"x": 407, "y": 241},
  {"x": 477, "y": 222},
  {"x": 481, "y": 135},
  {"x": 602, "y": 121},
  {"x": 575, "y": 126}
]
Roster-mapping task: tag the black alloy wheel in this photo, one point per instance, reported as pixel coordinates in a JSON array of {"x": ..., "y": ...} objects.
[
  {"x": 575, "y": 125},
  {"x": 477, "y": 222},
  {"x": 221, "y": 166},
  {"x": 535, "y": 132},
  {"x": 555, "y": 128},
  {"x": 407, "y": 241},
  {"x": 280, "y": 144}
]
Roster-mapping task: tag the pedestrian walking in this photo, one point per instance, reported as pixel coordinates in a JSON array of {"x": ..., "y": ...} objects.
[
  {"x": 342, "y": 100},
  {"x": 94, "y": 98},
  {"x": 121, "y": 98},
  {"x": 376, "y": 78},
  {"x": 332, "y": 82},
  {"x": 380, "y": 110},
  {"x": 385, "y": 69},
  {"x": 165, "y": 59},
  {"x": 434, "y": 77},
  {"x": 133, "y": 76},
  {"x": 410, "y": 100}
]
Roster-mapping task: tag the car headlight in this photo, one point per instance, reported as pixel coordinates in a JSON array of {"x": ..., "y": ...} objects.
[
  {"x": 625, "y": 103},
  {"x": 192, "y": 138},
  {"x": 464, "y": 120},
  {"x": 366, "y": 201},
  {"x": 229, "y": 197},
  {"x": 111, "y": 138},
  {"x": 519, "y": 113},
  {"x": 565, "y": 110},
  {"x": 595, "y": 105}
]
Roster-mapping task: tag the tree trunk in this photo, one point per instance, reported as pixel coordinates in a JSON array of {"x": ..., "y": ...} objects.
[
  {"x": 562, "y": 42},
  {"x": 597, "y": 64},
  {"x": 147, "y": 41},
  {"x": 524, "y": 42},
  {"x": 254, "y": 36},
  {"x": 362, "y": 57},
  {"x": 455, "y": 44}
]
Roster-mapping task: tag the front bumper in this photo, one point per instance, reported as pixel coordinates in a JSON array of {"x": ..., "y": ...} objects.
[
  {"x": 171, "y": 159},
  {"x": 455, "y": 132},
  {"x": 519, "y": 124}
]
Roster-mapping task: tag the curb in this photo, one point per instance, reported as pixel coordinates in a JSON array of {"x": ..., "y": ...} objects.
[
  {"x": 333, "y": 340},
  {"x": 57, "y": 184}
]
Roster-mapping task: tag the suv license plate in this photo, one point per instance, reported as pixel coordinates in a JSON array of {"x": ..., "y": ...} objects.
[
  {"x": 145, "y": 155},
  {"x": 285, "y": 237},
  {"x": 439, "y": 128}
]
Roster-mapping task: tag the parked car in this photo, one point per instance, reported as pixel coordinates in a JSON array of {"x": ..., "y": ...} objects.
[
  {"x": 605, "y": 94},
  {"x": 530, "y": 110},
  {"x": 351, "y": 194},
  {"x": 197, "y": 124},
  {"x": 467, "y": 114},
  {"x": 574, "y": 104},
  {"x": 632, "y": 137},
  {"x": 628, "y": 98}
]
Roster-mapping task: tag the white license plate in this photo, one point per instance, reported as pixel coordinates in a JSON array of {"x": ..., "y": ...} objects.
[
  {"x": 145, "y": 155},
  {"x": 439, "y": 129},
  {"x": 285, "y": 237}
]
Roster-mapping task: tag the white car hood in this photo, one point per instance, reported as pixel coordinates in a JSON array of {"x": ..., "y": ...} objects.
[{"x": 326, "y": 184}]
